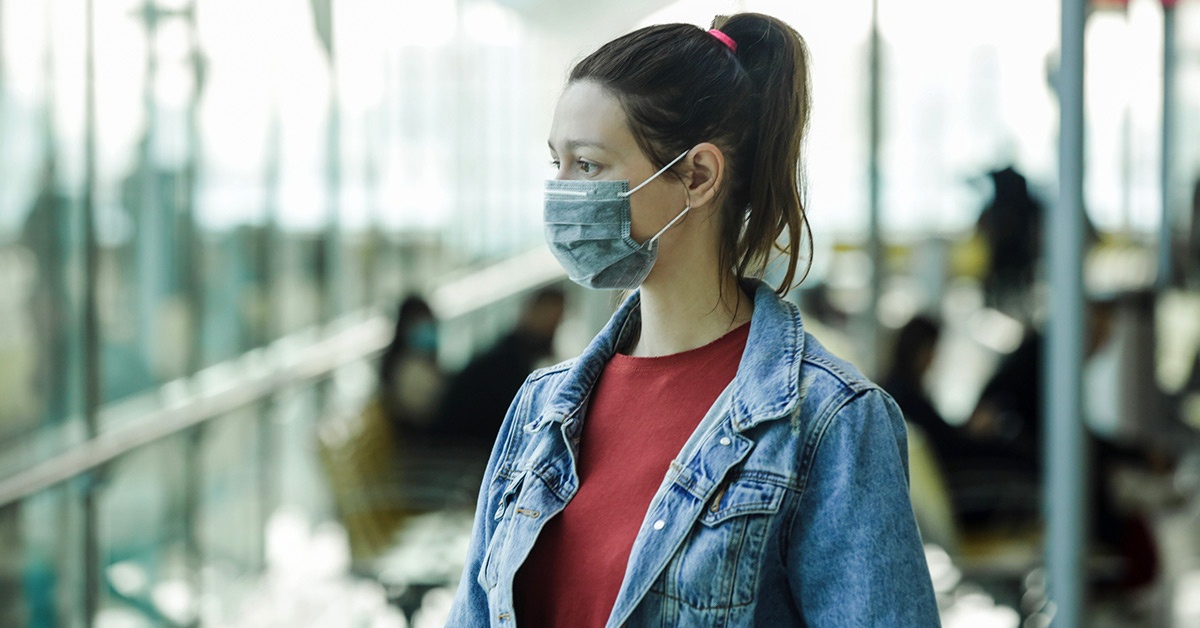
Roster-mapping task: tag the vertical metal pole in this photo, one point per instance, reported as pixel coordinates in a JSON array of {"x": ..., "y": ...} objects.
[
  {"x": 91, "y": 326},
  {"x": 1065, "y": 455},
  {"x": 331, "y": 249},
  {"x": 192, "y": 259},
  {"x": 268, "y": 252},
  {"x": 193, "y": 285},
  {"x": 153, "y": 262},
  {"x": 376, "y": 138},
  {"x": 874, "y": 237},
  {"x": 1168, "y": 127},
  {"x": 2, "y": 72}
]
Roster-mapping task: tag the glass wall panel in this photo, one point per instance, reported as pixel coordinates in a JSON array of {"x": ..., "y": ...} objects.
[
  {"x": 144, "y": 195},
  {"x": 147, "y": 577},
  {"x": 41, "y": 560},
  {"x": 231, "y": 521},
  {"x": 297, "y": 469},
  {"x": 41, "y": 235}
]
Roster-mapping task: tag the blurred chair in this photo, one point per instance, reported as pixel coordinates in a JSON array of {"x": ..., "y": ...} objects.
[
  {"x": 1008, "y": 553},
  {"x": 406, "y": 506},
  {"x": 359, "y": 453},
  {"x": 930, "y": 498}
]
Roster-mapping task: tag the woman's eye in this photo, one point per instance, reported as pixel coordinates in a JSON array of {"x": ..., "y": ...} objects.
[
  {"x": 556, "y": 164},
  {"x": 587, "y": 167}
]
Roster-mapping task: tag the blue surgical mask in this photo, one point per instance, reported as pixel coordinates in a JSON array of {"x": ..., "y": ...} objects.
[
  {"x": 588, "y": 228},
  {"x": 423, "y": 337}
]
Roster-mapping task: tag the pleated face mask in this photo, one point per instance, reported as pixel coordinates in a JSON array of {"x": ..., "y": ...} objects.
[{"x": 589, "y": 229}]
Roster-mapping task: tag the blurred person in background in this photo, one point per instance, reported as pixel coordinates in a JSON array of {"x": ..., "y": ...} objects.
[
  {"x": 705, "y": 461},
  {"x": 1011, "y": 225},
  {"x": 477, "y": 397},
  {"x": 380, "y": 465},
  {"x": 1009, "y": 411},
  {"x": 410, "y": 381},
  {"x": 1008, "y": 419},
  {"x": 913, "y": 354},
  {"x": 976, "y": 475}
]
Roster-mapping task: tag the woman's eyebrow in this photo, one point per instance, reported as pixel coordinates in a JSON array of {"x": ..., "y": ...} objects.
[{"x": 574, "y": 144}]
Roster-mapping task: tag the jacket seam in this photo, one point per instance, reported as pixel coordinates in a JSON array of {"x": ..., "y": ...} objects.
[
  {"x": 765, "y": 477},
  {"x": 857, "y": 384},
  {"x": 547, "y": 371},
  {"x": 505, "y": 468},
  {"x": 807, "y": 460},
  {"x": 814, "y": 442}
]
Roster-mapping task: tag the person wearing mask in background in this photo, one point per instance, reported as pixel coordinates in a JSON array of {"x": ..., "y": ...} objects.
[
  {"x": 410, "y": 382},
  {"x": 477, "y": 396},
  {"x": 705, "y": 461}
]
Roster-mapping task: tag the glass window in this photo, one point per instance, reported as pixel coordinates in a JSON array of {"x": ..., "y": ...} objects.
[{"x": 41, "y": 229}]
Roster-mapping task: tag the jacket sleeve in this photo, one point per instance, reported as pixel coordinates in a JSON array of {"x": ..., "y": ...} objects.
[
  {"x": 855, "y": 556},
  {"x": 470, "y": 608}
]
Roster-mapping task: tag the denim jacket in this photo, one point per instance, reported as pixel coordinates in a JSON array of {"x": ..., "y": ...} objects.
[{"x": 787, "y": 506}]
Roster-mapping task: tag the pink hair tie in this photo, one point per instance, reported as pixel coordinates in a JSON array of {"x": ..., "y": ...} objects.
[{"x": 725, "y": 39}]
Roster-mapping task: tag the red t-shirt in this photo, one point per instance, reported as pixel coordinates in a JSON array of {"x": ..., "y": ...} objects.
[{"x": 642, "y": 412}]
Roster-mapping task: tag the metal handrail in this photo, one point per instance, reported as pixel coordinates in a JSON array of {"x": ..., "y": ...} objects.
[
  {"x": 509, "y": 277},
  {"x": 262, "y": 372},
  {"x": 254, "y": 376}
]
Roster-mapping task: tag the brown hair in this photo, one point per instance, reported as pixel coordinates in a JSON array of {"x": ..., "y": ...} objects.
[{"x": 680, "y": 85}]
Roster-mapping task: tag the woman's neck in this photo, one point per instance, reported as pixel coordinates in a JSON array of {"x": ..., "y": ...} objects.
[{"x": 680, "y": 312}]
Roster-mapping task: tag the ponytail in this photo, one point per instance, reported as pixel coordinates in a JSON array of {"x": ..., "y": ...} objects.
[
  {"x": 776, "y": 60},
  {"x": 680, "y": 85}
]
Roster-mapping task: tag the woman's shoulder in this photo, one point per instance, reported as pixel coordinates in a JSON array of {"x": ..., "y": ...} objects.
[
  {"x": 836, "y": 392},
  {"x": 549, "y": 377},
  {"x": 819, "y": 363},
  {"x": 539, "y": 388}
]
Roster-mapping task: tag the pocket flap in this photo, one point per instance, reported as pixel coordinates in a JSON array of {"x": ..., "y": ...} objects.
[{"x": 742, "y": 497}]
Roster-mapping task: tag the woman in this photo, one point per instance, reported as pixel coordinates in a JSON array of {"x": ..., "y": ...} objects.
[
  {"x": 704, "y": 462},
  {"x": 410, "y": 382}
]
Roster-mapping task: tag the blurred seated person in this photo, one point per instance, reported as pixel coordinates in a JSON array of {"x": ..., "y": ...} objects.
[
  {"x": 410, "y": 382},
  {"x": 975, "y": 472},
  {"x": 1009, "y": 411},
  {"x": 1009, "y": 419},
  {"x": 478, "y": 397},
  {"x": 916, "y": 344}
]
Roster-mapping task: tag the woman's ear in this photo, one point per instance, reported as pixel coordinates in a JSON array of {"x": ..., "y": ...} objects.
[{"x": 706, "y": 169}]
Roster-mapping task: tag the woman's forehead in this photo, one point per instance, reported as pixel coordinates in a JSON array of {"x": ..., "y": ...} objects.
[{"x": 588, "y": 115}]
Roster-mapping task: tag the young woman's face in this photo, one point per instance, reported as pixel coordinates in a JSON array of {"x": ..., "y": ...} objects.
[{"x": 589, "y": 139}]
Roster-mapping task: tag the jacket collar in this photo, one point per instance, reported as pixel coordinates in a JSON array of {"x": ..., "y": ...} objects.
[{"x": 767, "y": 384}]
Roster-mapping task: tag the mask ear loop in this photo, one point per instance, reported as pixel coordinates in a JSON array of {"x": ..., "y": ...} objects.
[
  {"x": 670, "y": 224},
  {"x": 655, "y": 175},
  {"x": 677, "y": 219}
]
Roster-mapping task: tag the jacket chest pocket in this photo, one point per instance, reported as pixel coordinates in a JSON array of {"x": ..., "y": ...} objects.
[{"x": 718, "y": 564}]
